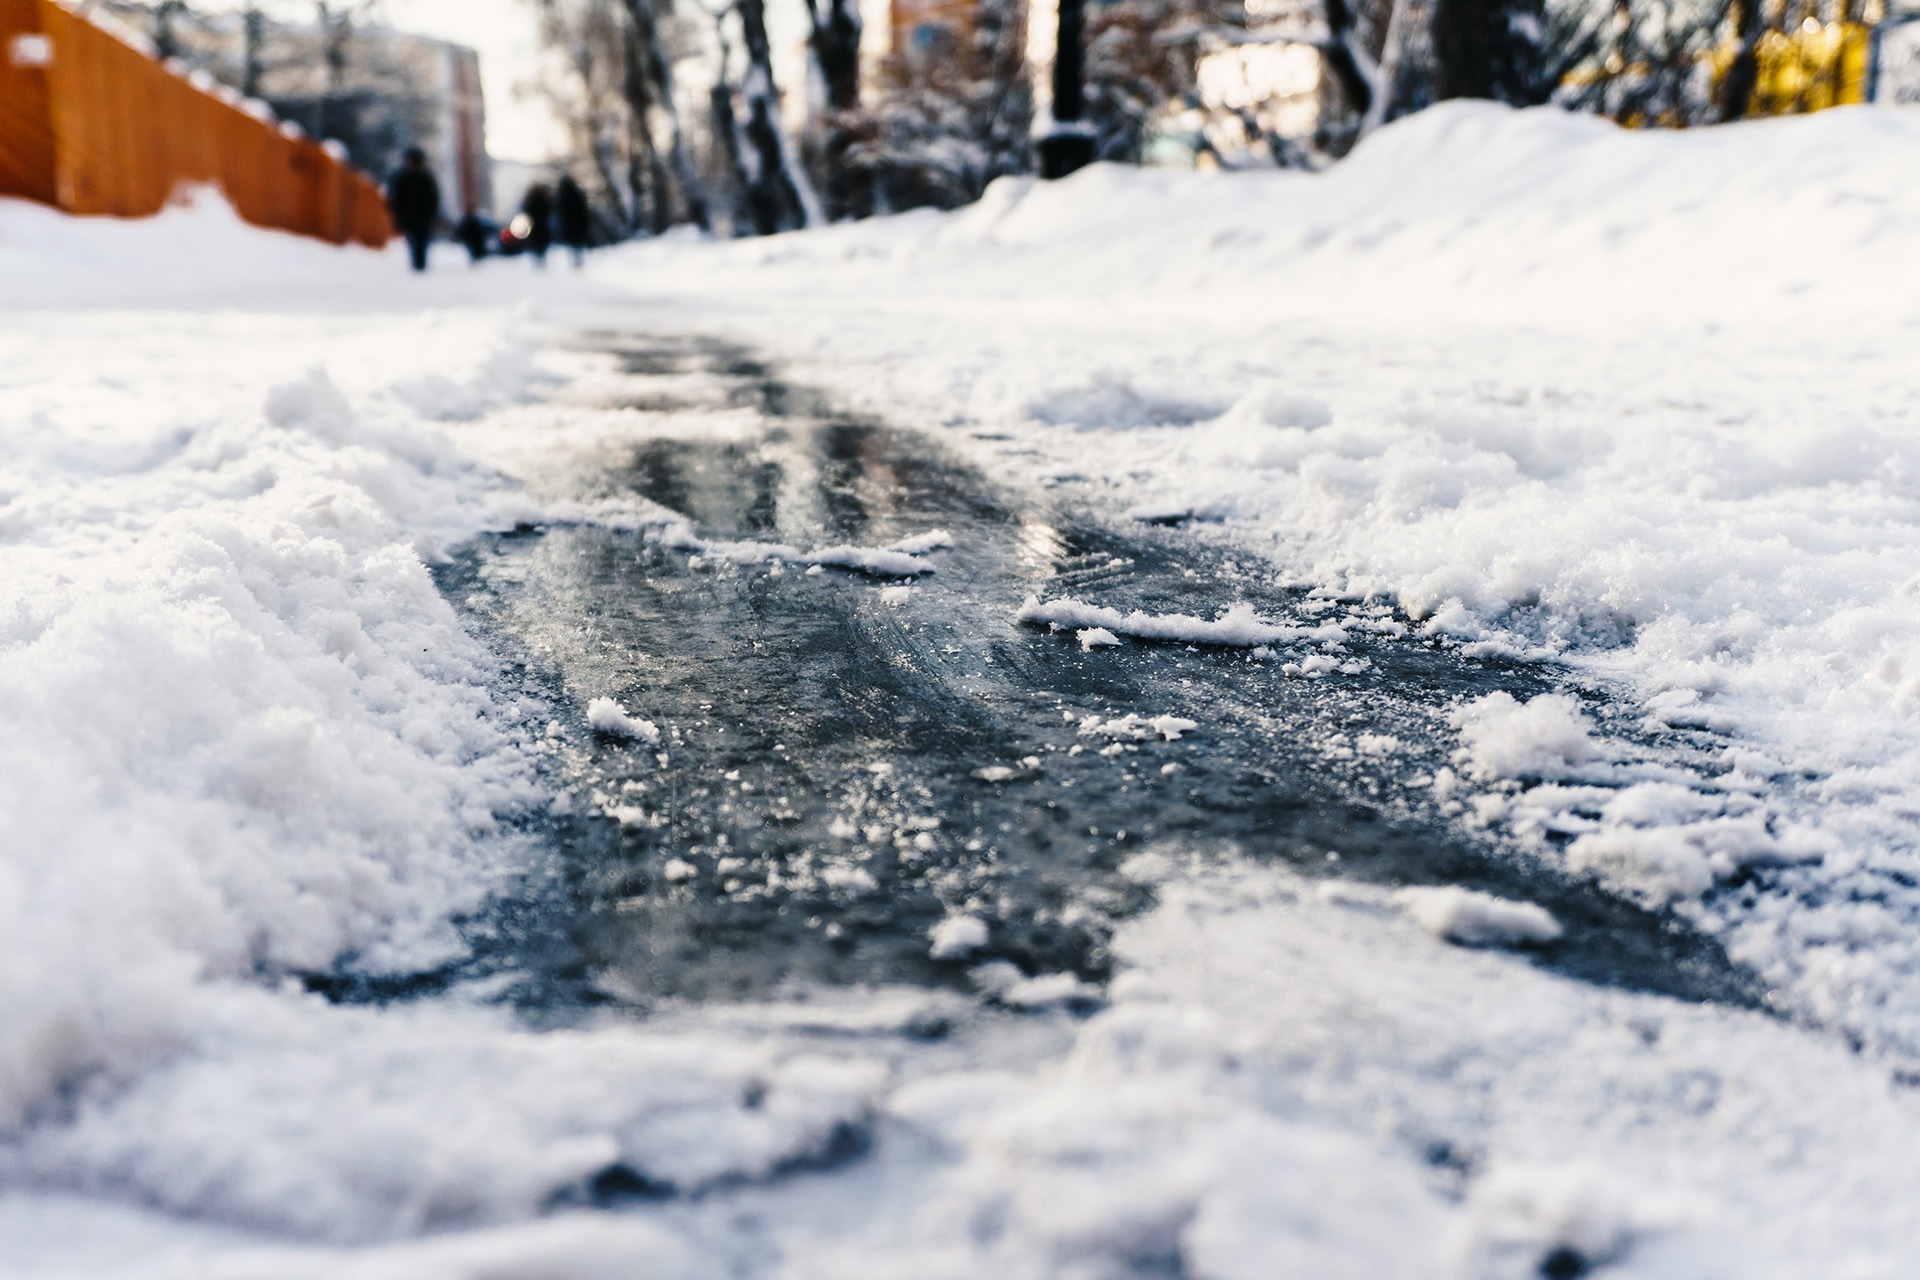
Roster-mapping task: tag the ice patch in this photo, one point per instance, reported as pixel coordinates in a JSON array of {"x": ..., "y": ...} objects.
[{"x": 1096, "y": 637}]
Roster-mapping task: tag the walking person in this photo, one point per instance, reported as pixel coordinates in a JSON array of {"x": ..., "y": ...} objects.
[
  {"x": 413, "y": 198},
  {"x": 576, "y": 221},
  {"x": 538, "y": 210},
  {"x": 473, "y": 232}
]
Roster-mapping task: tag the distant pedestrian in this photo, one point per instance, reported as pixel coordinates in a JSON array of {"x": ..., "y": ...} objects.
[
  {"x": 413, "y": 198},
  {"x": 576, "y": 222},
  {"x": 473, "y": 232},
  {"x": 537, "y": 208}
]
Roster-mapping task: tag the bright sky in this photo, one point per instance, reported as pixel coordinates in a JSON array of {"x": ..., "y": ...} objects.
[{"x": 507, "y": 34}]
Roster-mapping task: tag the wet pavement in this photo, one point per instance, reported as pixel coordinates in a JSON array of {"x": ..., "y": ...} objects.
[{"x": 847, "y": 759}]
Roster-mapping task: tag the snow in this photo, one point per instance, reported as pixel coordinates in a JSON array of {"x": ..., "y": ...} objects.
[
  {"x": 1544, "y": 737},
  {"x": 957, "y": 936},
  {"x": 1550, "y": 389},
  {"x": 1521, "y": 386},
  {"x": 1134, "y": 727},
  {"x": 1477, "y": 919},
  {"x": 903, "y": 560},
  {"x": 1237, "y": 625},
  {"x": 606, "y": 716},
  {"x": 874, "y": 560}
]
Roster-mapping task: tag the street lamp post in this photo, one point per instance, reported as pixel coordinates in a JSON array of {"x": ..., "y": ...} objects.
[{"x": 1067, "y": 143}]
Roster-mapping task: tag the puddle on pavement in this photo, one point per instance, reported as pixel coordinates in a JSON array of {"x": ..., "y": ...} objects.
[{"x": 817, "y": 802}]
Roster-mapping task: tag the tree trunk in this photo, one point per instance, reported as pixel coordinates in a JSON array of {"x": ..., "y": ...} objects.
[
  {"x": 646, "y": 24},
  {"x": 642, "y": 161},
  {"x": 1343, "y": 60},
  {"x": 254, "y": 25},
  {"x": 774, "y": 196},
  {"x": 835, "y": 41},
  {"x": 1068, "y": 144},
  {"x": 1743, "y": 74},
  {"x": 1491, "y": 49},
  {"x": 165, "y": 43}
]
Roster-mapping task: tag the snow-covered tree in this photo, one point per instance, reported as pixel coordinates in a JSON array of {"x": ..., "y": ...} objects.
[
  {"x": 620, "y": 101},
  {"x": 950, "y": 114}
]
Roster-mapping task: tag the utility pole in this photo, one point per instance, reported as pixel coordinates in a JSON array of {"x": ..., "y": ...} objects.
[
  {"x": 254, "y": 24},
  {"x": 166, "y": 42},
  {"x": 1068, "y": 142}
]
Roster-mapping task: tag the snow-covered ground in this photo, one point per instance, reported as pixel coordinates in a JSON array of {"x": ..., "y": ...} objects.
[{"x": 1636, "y": 404}]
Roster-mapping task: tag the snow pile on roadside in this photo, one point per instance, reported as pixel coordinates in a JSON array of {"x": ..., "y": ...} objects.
[
  {"x": 243, "y": 738},
  {"x": 1468, "y": 209}
]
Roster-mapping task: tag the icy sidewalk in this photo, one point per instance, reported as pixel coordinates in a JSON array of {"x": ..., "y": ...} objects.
[{"x": 1556, "y": 391}]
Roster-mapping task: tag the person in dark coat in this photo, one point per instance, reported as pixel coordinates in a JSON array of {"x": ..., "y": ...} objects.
[
  {"x": 538, "y": 208},
  {"x": 473, "y": 232},
  {"x": 413, "y": 198},
  {"x": 575, "y": 221}
]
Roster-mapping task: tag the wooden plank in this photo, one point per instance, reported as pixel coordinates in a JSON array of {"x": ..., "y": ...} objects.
[
  {"x": 121, "y": 135},
  {"x": 26, "y": 129}
]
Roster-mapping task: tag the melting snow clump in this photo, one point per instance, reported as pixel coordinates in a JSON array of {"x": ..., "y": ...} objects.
[
  {"x": 1476, "y": 919},
  {"x": 609, "y": 717},
  {"x": 956, "y": 937},
  {"x": 1545, "y": 737}
]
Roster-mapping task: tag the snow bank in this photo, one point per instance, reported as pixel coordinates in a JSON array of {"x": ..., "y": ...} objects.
[
  {"x": 242, "y": 733},
  {"x": 243, "y": 738}
]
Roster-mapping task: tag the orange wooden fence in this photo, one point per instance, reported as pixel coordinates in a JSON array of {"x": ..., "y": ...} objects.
[{"x": 94, "y": 126}]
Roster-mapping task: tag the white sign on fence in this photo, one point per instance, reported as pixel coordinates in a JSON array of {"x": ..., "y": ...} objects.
[{"x": 30, "y": 51}]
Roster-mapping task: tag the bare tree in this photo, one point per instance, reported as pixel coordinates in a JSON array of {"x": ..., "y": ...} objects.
[
  {"x": 620, "y": 104},
  {"x": 950, "y": 113},
  {"x": 1743, "y": 74},
  {"x": 778, "y": 195},
  {"x": 834, "y": 42},
  {"x": 1492, "y": 49},
  {"x": 649, "y": 55}
]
